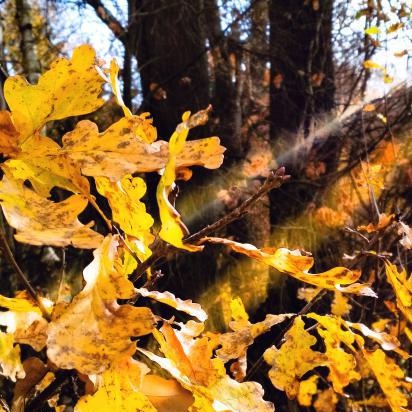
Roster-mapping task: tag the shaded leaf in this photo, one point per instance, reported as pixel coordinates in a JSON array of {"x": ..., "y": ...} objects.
[{"x": 11, "y": 366}]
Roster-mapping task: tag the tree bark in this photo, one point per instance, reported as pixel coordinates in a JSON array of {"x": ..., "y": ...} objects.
[{"x": 31, "y": 63}]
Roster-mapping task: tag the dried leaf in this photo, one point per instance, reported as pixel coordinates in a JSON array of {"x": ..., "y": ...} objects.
[
  {"x": 123, "y": 149},
  {"x": 69, "y": 88},
  {"x": 34, "y": 369},
  {"x": 389, "y": 376},
  {"x": 173, "y": 229},
  {"x": 294, "y": 264},
  {"x": 187, "y": 306},
  {"x": 119, "y": 390},
  {"x": 94, "y": 331},
  {"x": 294, "y": 358},
  {"x": 9, "y": 136},
  {"x": 39, "y": 221}
]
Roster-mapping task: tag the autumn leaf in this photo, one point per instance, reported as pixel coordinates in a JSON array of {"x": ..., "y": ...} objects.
[
  {"x": 127, "y": 209},
  {"x": 297, "y": 265},
  {"x": 342, "y": 365},
  {"x": 118, "y": 389},
  {"x": 68, "y": 88},
  {"x": 173, "y": 229},
  {"x": 340, "y": 305},
  {"x": 389, "y": 376},
  {"x": 39, "y": 221},
  {"x": 94, "y": 330},
  {"x": 307, "y": 388},
  {"x": 123, "y": 149},
  {"x": 187, "y": 306},
  {"x": 167, "y": 395},
  {"x": 293, "y": 359},
  {"x": 42, "y": 162},
  {"x": 189, "y": 360},
  {"x": 9, "y": 136},
  {"x": 11, "y": 366},
  {"x": 402, "y": 286}
]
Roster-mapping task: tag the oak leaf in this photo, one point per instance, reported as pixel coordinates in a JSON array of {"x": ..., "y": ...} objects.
[
  {"x": 293, "y": 263},
  {"x": 39, "y": 221},
  {"x": 293, "y": 359},
  {"x": 389, "y": 376},
  {"x": 9, "y": 136},
  {"x": 68, "y": 88},
  {"x": 118, "y": 390},
  {"x": 123, "y": 149},
  {"x": 94, "y": 330},
  {"x": 190, "y": 361}
]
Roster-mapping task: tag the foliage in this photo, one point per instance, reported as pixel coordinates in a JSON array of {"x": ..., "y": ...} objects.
[{"x": 94, "y": 334}]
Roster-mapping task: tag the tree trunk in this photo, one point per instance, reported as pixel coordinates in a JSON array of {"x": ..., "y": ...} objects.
[
  {"x": 302, "y": 80},
  {"x": 167, "y": 39},
  {"x": 31, "y": 64}
]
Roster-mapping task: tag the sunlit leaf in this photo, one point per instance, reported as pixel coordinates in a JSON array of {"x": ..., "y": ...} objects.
[
  {"x": 370, "y": 31},
  {"x": 293, "y": 359},
  {"x": 11, "y": 366},
  {"x": 118, "y": 390},
  {"x": 187, "y": 306},
  {"x": 389, "y": 376},
  {"x": 307, "y": 388},
  {"x": 94, "y": 330},
  {"x": 340, "y": 305},
  {"x": 369, "y": 64},
  {"x": 123, "y": 149},
  {"x": 69, "y": 88},
  {"x": 294, "y": 264},
  {"x": 9, "y": 136},
  {"x": 39, "y": 221}
]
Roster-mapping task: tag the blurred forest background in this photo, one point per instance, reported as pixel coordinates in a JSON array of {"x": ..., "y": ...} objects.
[{"x": 318, "y": 86}]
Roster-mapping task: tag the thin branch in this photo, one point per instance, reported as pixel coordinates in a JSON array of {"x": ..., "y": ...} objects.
[
  {"x": 161, "y": 249},
  {"x": 8, "y": 255},
  {"x": 107, "y": 17}
]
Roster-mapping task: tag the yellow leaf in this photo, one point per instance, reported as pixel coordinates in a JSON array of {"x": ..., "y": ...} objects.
[
  {"x": 389, "y": 376},
  {"x": 369, "y": 107},
  {"x": 118, "y": 390},
  {"x": 173, "y": 230},
  {"x": 9, "y": 136},
  {"x": 11, "y": 366},
  {"x": 39, "y": 221},
  {"x": 370, "y": 31},
  {"x": 46, "y": 165},
  {"x": 94, "y": 330},
  {"x": 123, "y": 149},
  {"x": 369, "y": 64},
  {"x": 166, "y": 395},
  {"x": 187, "y": 306},
  {"x": 127, "y": 209},
  {"x": 294, "y": 264},
  {"x": 326, "y": 401},
  {"x": 235, "y": 344},
  {"x": 395, "y": 27},
  {"x": 294, "y": 358},
  {"x": 307, "y": 389},
  {"x": 237, "y": 310},
  {"x": 384, "y": 221},
  {"x": 402, "y": 286},
  {"x": 191, "y": 362},
  {"x": 69, "y": 88},
  {"x": 114, "y": 83},
  {"x": 340, "y": 305}
]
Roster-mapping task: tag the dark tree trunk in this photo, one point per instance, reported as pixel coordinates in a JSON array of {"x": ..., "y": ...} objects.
[
  {"x": 167, "y": 39},
  {"x": 302, "y": 80}
]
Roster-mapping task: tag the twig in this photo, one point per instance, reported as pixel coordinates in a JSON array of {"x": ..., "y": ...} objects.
[
  {"x": 274, "y": 180},
  {"x": 8, "y": 255}
]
